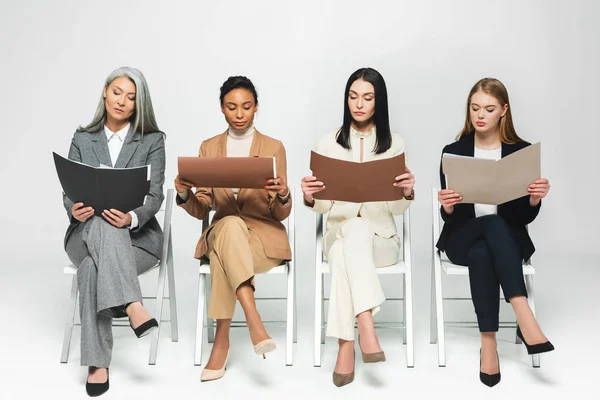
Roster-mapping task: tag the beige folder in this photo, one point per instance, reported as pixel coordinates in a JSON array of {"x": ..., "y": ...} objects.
[
  {"x": 228, "y": 172},
  {"x": 358, "y": 182},
  {"x": 493, "y": 182}
]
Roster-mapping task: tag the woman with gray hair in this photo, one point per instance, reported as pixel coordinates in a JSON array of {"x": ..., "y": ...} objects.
[{"x": 111, "y": 250}]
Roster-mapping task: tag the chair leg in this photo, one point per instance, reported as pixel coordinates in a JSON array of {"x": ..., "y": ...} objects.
[
  {"x": 69, "y": 321},
  {"x": 318, "y": 317},
  {"x": 404, "y": 334},
  {"x": 535, "y": 358},
  {"x": 289, "y": 326},
  {"x": 409, "y": 326},
  {"x": 210, "y": 323},
  {"x": 433, "y": 310},
  {"x": 200, "y": 319},
  {"x": 160, "y": 295},
  {"x": 295, "y": 310},
  {"x": 172, "y": 292},
  {"x": 439, "y": 313},
  {"x": 322, "y": 309}
]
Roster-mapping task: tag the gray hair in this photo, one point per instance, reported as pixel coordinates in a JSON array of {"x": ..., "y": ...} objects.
[{"x": 142, "y": 119}]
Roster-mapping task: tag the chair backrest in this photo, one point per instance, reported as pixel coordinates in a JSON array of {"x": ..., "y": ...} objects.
[
  {"x": 435, "y": 213},
  {"x": 167, "y": 208}
]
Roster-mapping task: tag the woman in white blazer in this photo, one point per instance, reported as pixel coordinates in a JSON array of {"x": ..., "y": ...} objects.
[{"x": 359, "y": 237}]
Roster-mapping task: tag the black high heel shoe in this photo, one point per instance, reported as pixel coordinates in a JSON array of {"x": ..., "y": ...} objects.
[
  {"x": 535, "y": 348},
  {"x": 144, "y": 328},
  {"x": 97, "y": 389},
  {"x": 487, "y": 379}
]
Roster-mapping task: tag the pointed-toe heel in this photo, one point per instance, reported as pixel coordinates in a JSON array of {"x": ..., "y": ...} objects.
[
  {"x": 371, "y": 357},
  {"x": 535, "y": 348},
  {"x": 489, "y": 380},
  {"x": 144, "y": 328},
  {"x": 340, "y": 380},
  {"x": 97, "y": 389},
  {"x": 214, "y": 374}
]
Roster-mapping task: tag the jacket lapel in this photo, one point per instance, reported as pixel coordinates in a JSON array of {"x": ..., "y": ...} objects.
[
  {"x": 100, "y": 146},
  {"x": 132, "y": 141}
]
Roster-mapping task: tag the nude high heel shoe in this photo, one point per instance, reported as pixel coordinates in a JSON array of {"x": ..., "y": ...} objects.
[
  {"x": 264, "y": 347},
  {"x": 214, "y": 374}
]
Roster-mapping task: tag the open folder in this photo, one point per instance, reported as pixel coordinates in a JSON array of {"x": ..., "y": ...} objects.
[
  {"x": 358, "y": 182},
  {"x": 227, "y": 172},
  {"x": 103, "y": 188},
  {"x": 489, "y": 181}
]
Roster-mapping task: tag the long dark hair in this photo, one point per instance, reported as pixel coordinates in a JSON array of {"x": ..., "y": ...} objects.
[{"x": 381, "y": 116}]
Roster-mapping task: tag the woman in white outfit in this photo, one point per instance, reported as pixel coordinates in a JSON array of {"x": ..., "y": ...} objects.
[{"x": 359, "y": 237}]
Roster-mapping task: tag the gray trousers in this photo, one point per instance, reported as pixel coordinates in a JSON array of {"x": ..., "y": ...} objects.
[{"x": 107, "y": 276}]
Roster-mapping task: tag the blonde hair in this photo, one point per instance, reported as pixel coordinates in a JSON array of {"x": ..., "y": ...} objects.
[{"x": 494, "y": 88}]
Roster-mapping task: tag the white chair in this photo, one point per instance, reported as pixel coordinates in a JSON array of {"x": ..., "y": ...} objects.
[
  {"x": 165, "y": 266},
  {"x": 287, "y": 268},
  {"x": 402, "y": 267},
  {"x": 441, "y": 263}
]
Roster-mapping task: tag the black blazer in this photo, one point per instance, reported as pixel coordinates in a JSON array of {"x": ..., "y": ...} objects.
[{"x": 517, "y": 213}]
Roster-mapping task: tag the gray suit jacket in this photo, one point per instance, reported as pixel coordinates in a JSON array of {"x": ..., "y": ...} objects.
[{"x": 92, "y": 149}]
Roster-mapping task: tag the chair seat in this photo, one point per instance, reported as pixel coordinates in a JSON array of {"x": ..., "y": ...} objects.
[
  {"x": 280, "y": 269},
  {"x": 454, "y": 269},
  {"x": 70, "y": 269},
  {"x": 399, "y": 268}
]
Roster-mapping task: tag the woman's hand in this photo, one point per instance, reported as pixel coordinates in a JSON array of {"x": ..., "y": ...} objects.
[
  {"x": 407, "y": 182},
  {"x": 81, "y": 213},
  {"x": 117, "y": 218},
  {"x": 310, "y": 185},
  {"x": 449, "y": 198},
  {"x": 183, "y": 187},
  {"x": 278, "y": 185},
  {"x": 538, "y": 190}
]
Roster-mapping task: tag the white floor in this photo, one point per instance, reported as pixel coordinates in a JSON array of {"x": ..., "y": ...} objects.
[{"x": 567, "y": 302}]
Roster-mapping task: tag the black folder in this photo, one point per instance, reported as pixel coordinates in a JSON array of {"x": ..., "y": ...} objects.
[{"x": 123, "y": 189}]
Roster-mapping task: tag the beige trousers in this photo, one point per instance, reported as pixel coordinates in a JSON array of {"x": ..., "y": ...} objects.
[
  {"x": 236, "y": 254},
  {"x": 353, "y": 258}
]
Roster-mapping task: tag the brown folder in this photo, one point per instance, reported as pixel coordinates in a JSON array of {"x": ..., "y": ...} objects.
[
  {"x": 358, "y": 182},
  {"x": 493, "y": 182},
  {"x": 227, "y": 172}
]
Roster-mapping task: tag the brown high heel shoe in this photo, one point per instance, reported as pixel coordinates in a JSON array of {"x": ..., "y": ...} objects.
[
  {"x": 371, "y": 357},
  {"x": 340, "y": 380}
]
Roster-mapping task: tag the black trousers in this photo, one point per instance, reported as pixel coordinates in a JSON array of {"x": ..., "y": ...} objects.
[{"x": 487, "y": 247}]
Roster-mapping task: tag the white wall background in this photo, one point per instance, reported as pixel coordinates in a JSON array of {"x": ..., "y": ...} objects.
[{"x": 56, "y": 55}]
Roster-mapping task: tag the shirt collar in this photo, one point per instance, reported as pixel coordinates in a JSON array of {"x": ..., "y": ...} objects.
[
  {"x": 358, "y": 134},
  {"x": 121, "y": 134}
]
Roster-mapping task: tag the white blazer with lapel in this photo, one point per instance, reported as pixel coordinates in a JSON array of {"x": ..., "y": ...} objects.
[{"x": 379, "y": 214}]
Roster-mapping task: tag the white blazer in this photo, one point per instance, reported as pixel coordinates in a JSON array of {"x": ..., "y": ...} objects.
[{"x": 379, "y": 214}]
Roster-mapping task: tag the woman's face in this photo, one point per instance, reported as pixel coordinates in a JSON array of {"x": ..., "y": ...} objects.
[
  {"x": 239, "y": 109},
  {"x": 361, "y": 101},
  {"x": 486, "y": 111},
  {"x": 119, "y": 99}
]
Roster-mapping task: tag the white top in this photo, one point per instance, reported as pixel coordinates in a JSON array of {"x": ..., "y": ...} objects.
[
  {"x": 368, "y": 143},
  {"x": 115, "y": 144},
  {"x": 238, "y": 145},
  {"x": 495, "y": 154},
  {"x": 368, "y": 139}
]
